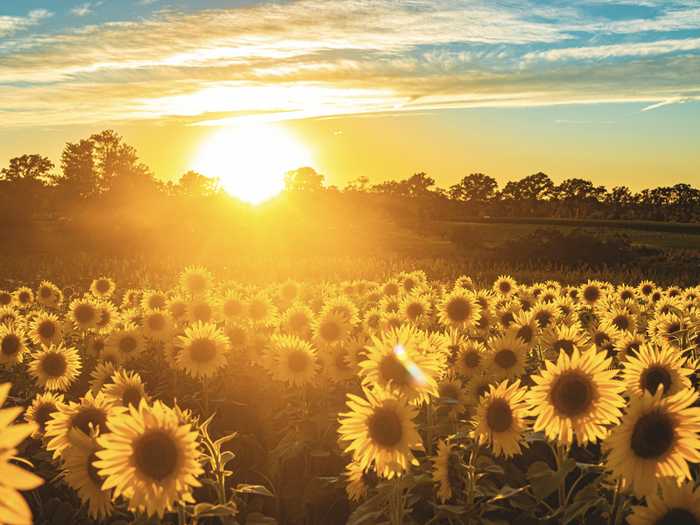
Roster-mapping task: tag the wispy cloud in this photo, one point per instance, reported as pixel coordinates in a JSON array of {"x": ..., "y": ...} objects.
[
  {"x": 667, "y": 102},
  {"x": 316, "y": 58},
  {"x": 13, "y": 24},
  {"x": 85, "y": 9}
]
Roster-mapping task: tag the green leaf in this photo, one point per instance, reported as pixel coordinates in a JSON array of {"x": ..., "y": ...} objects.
[{"x": 260, "y": 490}]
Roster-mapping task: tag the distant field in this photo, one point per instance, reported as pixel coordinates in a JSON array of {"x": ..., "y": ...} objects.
[{"x": 647, "y": 233}]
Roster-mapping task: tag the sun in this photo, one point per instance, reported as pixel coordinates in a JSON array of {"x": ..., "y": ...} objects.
[{"x": 250, "y": 160}]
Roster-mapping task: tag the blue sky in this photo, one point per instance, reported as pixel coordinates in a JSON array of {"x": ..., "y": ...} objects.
[{"x": 603, "y": 66}]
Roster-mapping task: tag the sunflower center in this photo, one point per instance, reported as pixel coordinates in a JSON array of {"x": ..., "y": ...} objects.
[
  {"x": 391, "y": 289},
  {"x": 202, "y": 350},
  {"x": 298, "y": 321},
  {"x": 499, "y": 415},
  {"x": 647, "y": 289},
  {"x": 507, "y": 319},
  {"x": 459, "y": 310},
  {"x": 156, "y": 322},
  {"x": 505, "y": 358},
  {"x": 601, "y": 339},
  {"x": 572, "y": 394},
  {"x": 340, "y": 361},
  {"x": 385, "y": 427},
  {"x": 54, "y": 365},
  {"x": 543, "y": 318},
  {"x": 677, "y": 516},
  {"x": 196, "y": 283},
  {"x": 43, "y": 413},
  {"x": 236, "y": 335},
  {"x": 481, "y": 390},
  {"x": 504, "y": 287},
  {"x": 24, "y": 297},
  {"x": 131, "y": 396},
  {"x": 653, "y": 435},
  {"x": 156, "y": 455},
  {"x": 102, "y": 285},
  {"x": 127, "y": 344},
  {"x": 565, "y": 345},
  {"x": 178, "y": 309},
  {"x": 298, "y": 361},
  {"x": 591, "y": 294},
  {"x": 414, "y": 310},
  {"x": 330, "y": 331},
  {"x": 472, "y": 359},
  {"x": 655, "y": 376},
  {"x": 46, "y": 329},
  {"x": 391, "y": 369},
  {"x": 90, "y": 416},
  {"x": 84, "y": 313},
  {"x": 525, "y": 333},
  {"x": 10, "y": 344},
  {"x": 673, "y": 328},
  {"x": 621, "y": 322}
]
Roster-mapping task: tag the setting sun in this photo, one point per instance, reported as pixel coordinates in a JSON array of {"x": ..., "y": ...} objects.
[{"x": 250, "y": 160}]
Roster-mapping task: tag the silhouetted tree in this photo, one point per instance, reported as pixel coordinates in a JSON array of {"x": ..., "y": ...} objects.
[
  {"x": 29, "y": 167},
  {"x": 193, "y": 183},
  {"x": 303, "y": 180}
]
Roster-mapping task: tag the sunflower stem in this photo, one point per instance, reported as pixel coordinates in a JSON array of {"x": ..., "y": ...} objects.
[
  {"x": 429, "y": 428},
  {"x": 615, "y": 514},
  {"x": 396, "y": 502},
  {"x": 205, "y": 396}
]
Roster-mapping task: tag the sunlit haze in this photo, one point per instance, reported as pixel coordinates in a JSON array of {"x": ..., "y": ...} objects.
[{"x": 250, "y": 160}]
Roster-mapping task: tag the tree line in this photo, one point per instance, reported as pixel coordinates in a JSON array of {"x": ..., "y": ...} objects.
[{"x": 100, "y": 187}]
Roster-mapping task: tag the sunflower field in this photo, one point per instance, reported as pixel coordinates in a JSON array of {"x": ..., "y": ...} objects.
[{"x": 397, "y": 401}]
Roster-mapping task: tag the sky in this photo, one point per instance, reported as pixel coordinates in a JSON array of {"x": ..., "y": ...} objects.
[{"x": 601, "y": 89}]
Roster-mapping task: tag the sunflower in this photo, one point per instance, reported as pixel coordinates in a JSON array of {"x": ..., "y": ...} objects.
[
  {"x": 55, "y": 367},
  {"x": 337, "y": 364},
  {"x": 83, "y": 313},
  {"x": 41, "y": 410},
  {"x": 196, "y": 280},
  {"x": 131, "y": 298},
  {"x": 153, "y": 300},
  {"x": 297, "y": 320},
  {"x": 591, "y": 292},
  {"x": 102, "y": 287},
  {"x": 342, "y": 306},
  {"x": 567, "y": 309},
  {"x": 106, "y": 317},
  {"x": 232, "y": 306},
  {"x": 395, "y": 363},
  {"x": 372, "y": 321},
  {"x": 261, "y": 311},
  {"x": 102, "y": 375},
  {"x": 471, "y": 359},
  {"x": 667, "y": 328},
  {"x": 125, "y": 388},
  {"x": 23, "y": 297},
  {"x": 545, "y": 314},
  {"x": 506, "y": 312},
  {"x": 507, "y": 356},
  {"x": 627, "y": 344},
  {"x": 657, "y": 438},
  {"x": 391, "y": 289},
  {"x": 10, "y": 316},
  {"x": 563, "y": 338},
  {"x": 655, "y": 366},
  {"x": 157, "y": 324},
  {"x": 446, "y": 471},
  {"x": 45, "y": 329},
  {"x": 576, "y": 397},
  {"x": 6, "y": 298},
  {"x": 379, "y": 430},
  {"x": 501, "y": 418},
  {"x": 126, "y": 343},
  {"x": 415, "y": 308},
  {"x": 201, "y": 309},
  {"x": 465, "y": 282},
  {"x": 294, "y": 360},
  {"x": 526, "y": 328},
  {"x": 150, "y": 458},
  {"x": 646, "y": 288},
  {"x": 602, "y": 338},
  {"x": 177, "y": 308},
  {"x": 12, "y": 345},
  {"x": 619, "y": 319},
  {"x": 504, "y": 285},
  {"x": 459, "y": 309},
  {"x": 390, "y": 305},
  {"x": 355, "y": 486},
  {"x": 88, "y": 416},
  {"x": 331, "y": 328},
  {"x": 13, "y": 508},
  {"x": 203, "y": 350},
  {"x": 676, "y": 505},
  {"x": 80, "y": 475}
]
